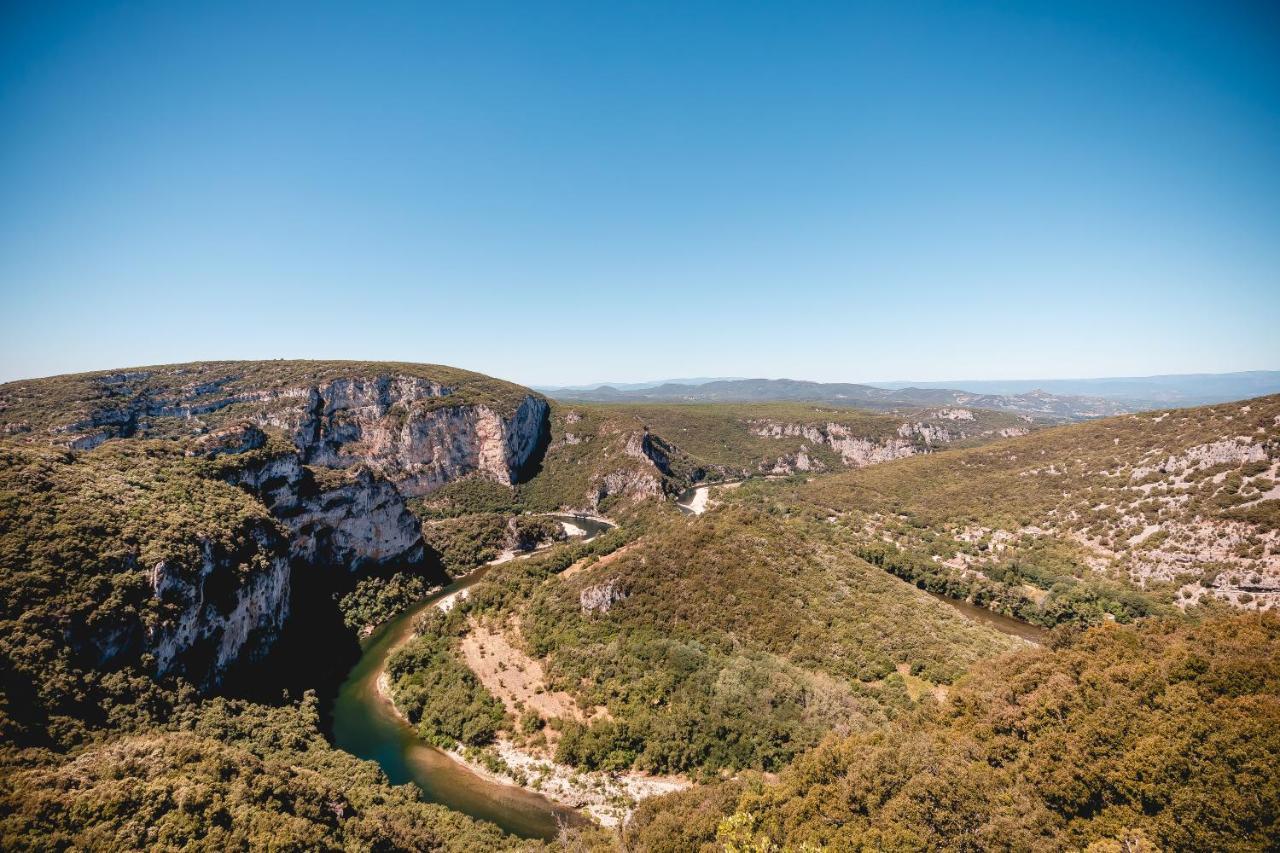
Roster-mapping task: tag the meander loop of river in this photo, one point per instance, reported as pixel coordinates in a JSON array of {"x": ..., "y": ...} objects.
[{"x": 365, "y": 724}]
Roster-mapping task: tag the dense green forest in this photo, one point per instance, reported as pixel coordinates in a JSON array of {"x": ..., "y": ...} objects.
[
  {"x": 1163, "y": 736},
  {"x": 736, "y": 641}
]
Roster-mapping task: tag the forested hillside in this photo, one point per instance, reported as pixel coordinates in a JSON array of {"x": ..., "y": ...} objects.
[
  {"x": 1164, "y": 736},
  {"x": 728, "y": 642}
]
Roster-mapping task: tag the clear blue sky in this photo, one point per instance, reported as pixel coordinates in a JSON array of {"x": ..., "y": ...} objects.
[{"x": 563, "y": 193}]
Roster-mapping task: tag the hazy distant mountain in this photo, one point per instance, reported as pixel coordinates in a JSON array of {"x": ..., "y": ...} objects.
[
  {"x": 1034, "y": 404},
  {"x": 1047, "y": 399},
  {"x": 1182, "y": 389},
  {"x": 633, "y": 386}
]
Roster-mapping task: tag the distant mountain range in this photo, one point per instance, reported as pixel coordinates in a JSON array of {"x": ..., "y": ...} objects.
[
  {"x": 640, "y": 386},
  {"x": 1044, "y": 400},
  {"x": 1183, "y": 389}
]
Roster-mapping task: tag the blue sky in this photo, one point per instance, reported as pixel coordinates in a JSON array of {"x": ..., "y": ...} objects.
[{"x": 560, "y": 193}]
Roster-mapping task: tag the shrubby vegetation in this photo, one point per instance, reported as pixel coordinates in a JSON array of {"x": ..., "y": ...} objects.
[
  {"x": 469, "y": 496},
  {"x": 766, "y": 635},
  {"x": 1002, "y": 588},
  {"x": 377, "y": 598},
  {"x": 466, "y": 541},
  {"x": 57, "y": 402},
  {"x": 71, "y": 640},
  {"x": 436, "y": 690},
  {"x": 1165, "y": 736},
  {"x": 223, "y": 775},
  {"x": 1080, "y": 507},
  {"x": 740, "y": 641}
]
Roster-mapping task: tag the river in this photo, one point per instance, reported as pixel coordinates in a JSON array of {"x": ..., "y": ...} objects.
[
  {"x": 1003, "y": 624},
  {"x": 365, "y": 724}
]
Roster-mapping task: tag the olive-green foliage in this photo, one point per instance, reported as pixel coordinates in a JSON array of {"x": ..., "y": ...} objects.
[
  {"x": 1051, "y": 489},
  {"x": 736, "y": 642},
  {"x": 466, "y": 541},
  {"x": 722, "y": 433},
  {"x": 1002, "y": 588},
  {"x": 530, "y": 531},
  {"x": 223, "y": 775},
  {"x": 1168, "y": 732},
  {"x": 376, "y": 599},
  {"x": 687, "y": 821},
  {"x": 587, "y": 445},
  {"x": 79, "y": 536},
  {"x": 436, "y": 690},
  {"x": 705, "y": 441},
  {"x": 469, "y": 496},
  {"x": 1011, "y": 481}
]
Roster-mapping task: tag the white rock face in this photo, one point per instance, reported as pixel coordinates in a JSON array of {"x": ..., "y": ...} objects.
[
  {"x": 404, "y": 428},
  {"x": 854, "y": 450},
  {"x": 632, "y": 483},
  {"x": 1229, "y": 451},
  {"x": 403, "y": 431},
  {"x": 601, "y": 597},
  {"x": 235, "y": 615},
  {"x": 333, "y": 462},
  {"x": 929, "y": 433},
  {"x": 364, "y": 521}
]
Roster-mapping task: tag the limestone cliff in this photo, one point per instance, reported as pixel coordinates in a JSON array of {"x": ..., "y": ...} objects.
[
  {"x": 413, "y": 431},
  {"x": 230, "y": 609},
  {"x": 926, "y": 431},
  {"x": 323, "y": 455}
]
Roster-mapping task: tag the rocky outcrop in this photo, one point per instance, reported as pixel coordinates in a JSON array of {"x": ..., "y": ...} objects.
[
  {"x": 630, "y": 482},
  {"x": 933, "y": 434},
  {"x": 1228, "y": 451},
  {"x": 646, "y": 471},
  {"x": 223, "y": 614},
  {"x": 644, "y": 445},
  {"x": 348, "y": 518},
  {"x": 359, "y": 522},
  {"x": 414, "y": 441},
  {"x": 333, "y": 463},
  {"x": 601, "y": 597},
  {"x": 791, "y": 463},
  {"x": 404, "y": 428},
  {"x": 854, "y": 450}
]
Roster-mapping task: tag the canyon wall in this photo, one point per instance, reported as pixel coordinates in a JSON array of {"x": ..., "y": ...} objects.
[{"x": 329, "y": 465}]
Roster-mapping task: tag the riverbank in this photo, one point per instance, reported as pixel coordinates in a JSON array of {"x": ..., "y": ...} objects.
[
  {"x": 608, "y": 798},
  {"x": 696, "y": 499}
]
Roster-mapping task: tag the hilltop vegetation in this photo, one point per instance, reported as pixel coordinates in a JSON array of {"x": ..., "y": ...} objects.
[
  {"x": 602, "y": 454},
  {"x": 79, "y": 535},
  {"x": 184, "y": 399},
  {"x": 1049, "y": 408},
  {"x": 223, "y": 774}
]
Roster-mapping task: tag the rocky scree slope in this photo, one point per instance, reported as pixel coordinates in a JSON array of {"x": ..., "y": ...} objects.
[{"x": 155, "y": 518}]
